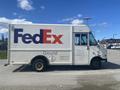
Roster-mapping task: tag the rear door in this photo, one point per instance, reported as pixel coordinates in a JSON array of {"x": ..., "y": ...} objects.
[{"x": 81, "y": 50}]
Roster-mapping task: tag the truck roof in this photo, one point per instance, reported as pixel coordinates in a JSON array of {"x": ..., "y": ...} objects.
[
  {"x": 49, "y": 24},
  {"x": 84, "y": 27}
]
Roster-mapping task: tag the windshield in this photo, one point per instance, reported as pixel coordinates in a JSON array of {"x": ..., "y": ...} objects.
[{"x": 92, "y": 40}]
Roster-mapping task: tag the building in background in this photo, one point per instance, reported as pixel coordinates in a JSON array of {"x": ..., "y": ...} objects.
[{"x": 110, "y": 43}]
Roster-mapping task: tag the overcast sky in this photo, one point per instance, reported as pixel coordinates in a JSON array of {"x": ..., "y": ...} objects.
[{"x": 105, "y": 14}]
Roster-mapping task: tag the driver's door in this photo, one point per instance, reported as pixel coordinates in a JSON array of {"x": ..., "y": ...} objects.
[{"x": 81, "y": 51}]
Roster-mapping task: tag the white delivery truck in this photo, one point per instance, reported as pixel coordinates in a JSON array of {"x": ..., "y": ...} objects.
[{"x": 53, "y": 44}]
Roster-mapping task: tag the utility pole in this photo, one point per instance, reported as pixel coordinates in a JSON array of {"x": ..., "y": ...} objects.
[
  {"x": 86, "y": 19},
  {"x": 114, "y": 36},
  {"x": 3, "y": 39}
]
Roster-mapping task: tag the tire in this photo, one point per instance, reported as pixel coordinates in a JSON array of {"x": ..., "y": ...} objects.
[
  {"x": 96, "y": 64},
  {"x": 39, "y": 65}
]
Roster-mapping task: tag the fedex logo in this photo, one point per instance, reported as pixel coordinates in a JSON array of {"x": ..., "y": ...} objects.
[{"x": 44, "y": 37}]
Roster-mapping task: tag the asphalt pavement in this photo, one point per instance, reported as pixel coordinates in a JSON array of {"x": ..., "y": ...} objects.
[{"x": 19, "y": 77}]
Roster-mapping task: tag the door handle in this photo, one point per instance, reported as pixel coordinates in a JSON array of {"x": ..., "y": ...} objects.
[{"x": 88, "y": 47}]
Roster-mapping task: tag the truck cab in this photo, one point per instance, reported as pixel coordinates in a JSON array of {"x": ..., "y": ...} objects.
[{"x": 86, "y": 49}]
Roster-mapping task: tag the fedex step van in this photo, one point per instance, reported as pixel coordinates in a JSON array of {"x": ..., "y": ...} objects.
[{"x": 41, "y": 45}]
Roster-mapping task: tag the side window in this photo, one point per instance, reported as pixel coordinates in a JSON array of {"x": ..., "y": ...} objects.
[
  {"x": 84, "y": 39},
  {"x": 77, "y": 39}
]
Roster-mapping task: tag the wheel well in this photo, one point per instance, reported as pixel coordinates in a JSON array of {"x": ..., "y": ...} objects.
[
  {"x": 40, "y": 57},
  {"x": 95, "y": 58}
]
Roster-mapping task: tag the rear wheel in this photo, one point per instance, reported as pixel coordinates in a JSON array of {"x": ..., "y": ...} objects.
[
  {"x": 39, "y": 65},
  {"x": 96, "y": 63}
]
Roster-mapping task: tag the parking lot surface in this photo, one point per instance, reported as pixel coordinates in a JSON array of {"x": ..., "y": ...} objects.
[{"x": 19, "y": 77}]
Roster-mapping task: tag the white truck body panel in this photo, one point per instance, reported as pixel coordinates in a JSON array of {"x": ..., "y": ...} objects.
[
  {"x": 22, "y": 53},
  {"x": 33, "y": 29}
]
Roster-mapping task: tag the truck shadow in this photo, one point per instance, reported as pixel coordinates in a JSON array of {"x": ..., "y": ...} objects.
[
  {"x": 27, "y": 68},
  {"x": 110, "y": 65}
]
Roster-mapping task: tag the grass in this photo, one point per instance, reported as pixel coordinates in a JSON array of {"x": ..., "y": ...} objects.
[{"x": 3, "y": 54}]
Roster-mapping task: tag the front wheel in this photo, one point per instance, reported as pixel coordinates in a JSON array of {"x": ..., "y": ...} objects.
[
  {"x": 39, "y": 65},
  {"x": 96, "y": 64}
]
